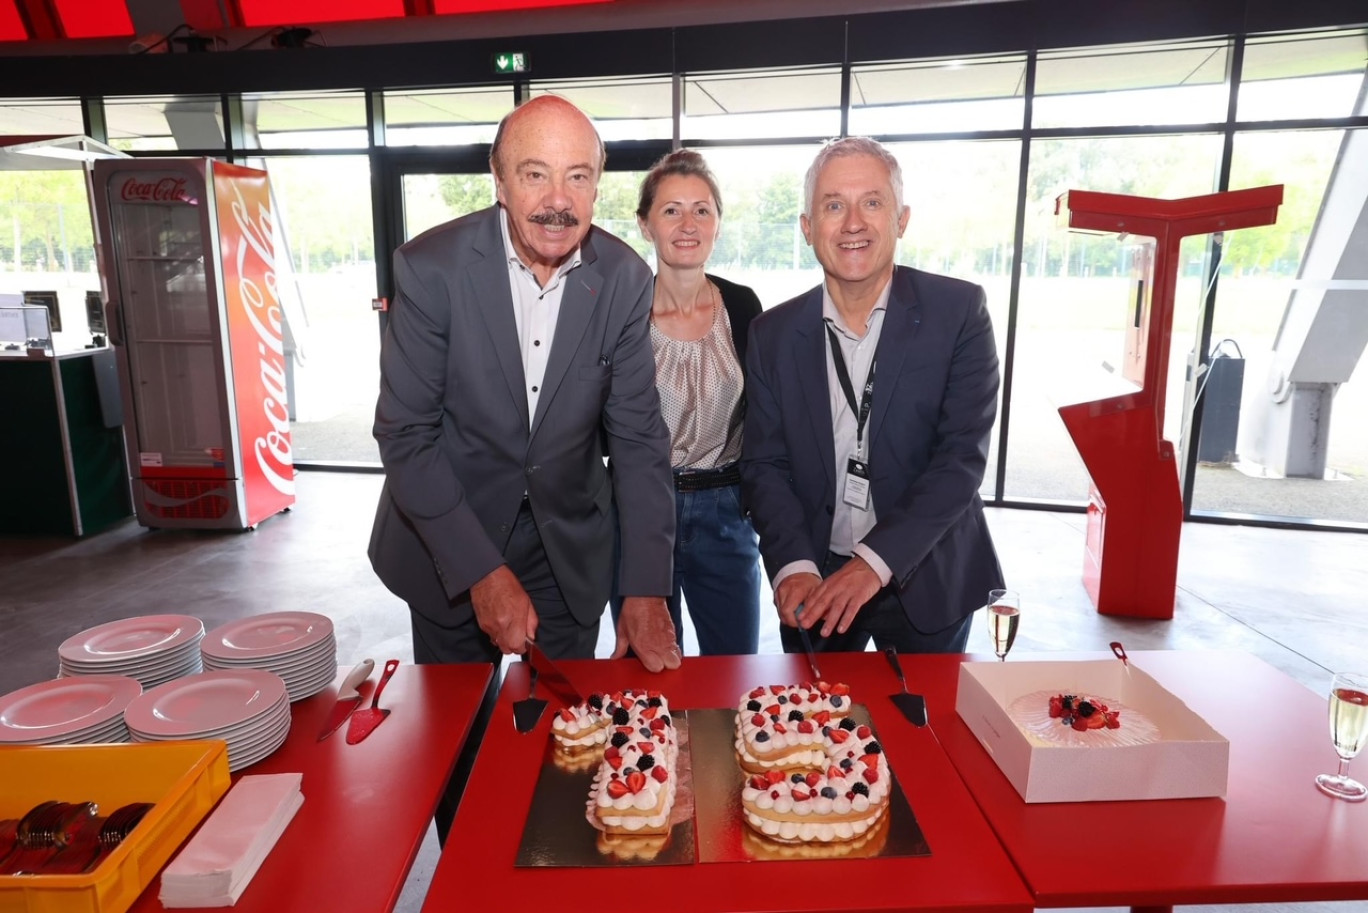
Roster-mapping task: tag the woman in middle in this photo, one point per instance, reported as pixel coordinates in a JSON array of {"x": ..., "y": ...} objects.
[{"x": 698, "y": 332}]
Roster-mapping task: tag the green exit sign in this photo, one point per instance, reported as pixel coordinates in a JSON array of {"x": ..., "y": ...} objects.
[{"x": 512, "y": 62}]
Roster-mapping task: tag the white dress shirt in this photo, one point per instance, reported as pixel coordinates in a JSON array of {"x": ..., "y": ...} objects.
[
  {"x": 848, "y": 524},
  {"x": 535, "y": 309}
]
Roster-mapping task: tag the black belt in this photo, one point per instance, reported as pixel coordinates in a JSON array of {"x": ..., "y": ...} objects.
[{"x": 703, "y": 479}]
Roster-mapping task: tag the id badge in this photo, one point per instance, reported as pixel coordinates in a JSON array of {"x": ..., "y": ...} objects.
[{"x": 857, "y": 484}]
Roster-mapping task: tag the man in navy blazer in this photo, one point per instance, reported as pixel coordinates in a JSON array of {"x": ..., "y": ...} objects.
[{"x": 870, "y": 401}]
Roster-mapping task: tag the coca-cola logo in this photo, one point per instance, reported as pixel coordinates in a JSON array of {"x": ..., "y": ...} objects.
[
  {"x": 160, "y": 190},
  {"x": 261, "y": 306}
]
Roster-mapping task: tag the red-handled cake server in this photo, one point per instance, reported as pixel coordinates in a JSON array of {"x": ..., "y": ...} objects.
[{"x": 364, "y": 721}]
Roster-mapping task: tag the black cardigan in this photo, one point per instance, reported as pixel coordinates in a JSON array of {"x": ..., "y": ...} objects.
[{"x": 742, "y": 305}]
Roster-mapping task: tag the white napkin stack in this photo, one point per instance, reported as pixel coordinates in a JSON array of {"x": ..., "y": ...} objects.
[{"x": 217, "y": 864}]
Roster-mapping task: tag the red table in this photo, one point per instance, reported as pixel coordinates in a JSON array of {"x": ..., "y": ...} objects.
[
  {"x": 967, "y": 869},
  {"x": 366, "y": 806},
  {"x": 1274, "y": 838}
]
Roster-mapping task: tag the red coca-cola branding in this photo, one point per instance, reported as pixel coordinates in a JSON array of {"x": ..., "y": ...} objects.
[
  {"x": 170, "y": 189},
  {"x": 247, "y": 242}
]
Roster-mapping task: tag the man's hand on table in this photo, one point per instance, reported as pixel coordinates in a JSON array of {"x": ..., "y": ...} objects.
[
  {"x": 503, "y": 610},
  {"x": 645, "y": 627}
]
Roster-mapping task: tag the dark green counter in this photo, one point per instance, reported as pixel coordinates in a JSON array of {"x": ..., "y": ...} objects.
[{"x": 62, "y": 467}]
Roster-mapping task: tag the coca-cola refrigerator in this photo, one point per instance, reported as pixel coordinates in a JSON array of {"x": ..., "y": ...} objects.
[{"x": 188, "y": 250}]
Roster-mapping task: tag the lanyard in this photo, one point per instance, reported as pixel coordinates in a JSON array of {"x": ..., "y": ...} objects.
[{"x": 843, "y": 375}]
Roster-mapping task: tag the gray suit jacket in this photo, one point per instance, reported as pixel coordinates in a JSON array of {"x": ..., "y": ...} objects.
[
  {"x": 935, "y": 396},
  {"x": 456, "y": 443}
]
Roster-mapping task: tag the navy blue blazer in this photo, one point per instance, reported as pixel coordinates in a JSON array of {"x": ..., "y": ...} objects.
[{"x": 934, "y": 401}]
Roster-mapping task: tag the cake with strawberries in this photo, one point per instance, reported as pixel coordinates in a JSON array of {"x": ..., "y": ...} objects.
[
  {"x": 815, "y": 774},
  {"x": 582, "y": 727},
  {"x": 634, "y": 787},
  {"x": 779, "y": 727}
]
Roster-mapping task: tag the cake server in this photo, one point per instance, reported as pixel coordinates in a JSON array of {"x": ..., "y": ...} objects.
[
  {"x": 552, "y": 677},
  {"x": 528, "y": 711},
  {"x": 364, "y": 721},
  {"x": 348, "y": 698},
  {"x": 913, "y": 706}
]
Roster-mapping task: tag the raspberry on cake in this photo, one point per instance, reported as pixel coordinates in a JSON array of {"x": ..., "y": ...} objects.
[
  {"x": 1083, "y": 712},
  {"x": 819, "y": 778}
]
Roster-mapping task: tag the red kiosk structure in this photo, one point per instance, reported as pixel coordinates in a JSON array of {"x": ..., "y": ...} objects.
[{"x": 1135, "y": 504}]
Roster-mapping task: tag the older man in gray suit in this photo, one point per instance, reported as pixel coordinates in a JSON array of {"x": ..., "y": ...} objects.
[{"x": 517, "y": 355}]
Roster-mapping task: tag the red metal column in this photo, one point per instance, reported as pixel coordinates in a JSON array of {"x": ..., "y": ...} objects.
[{"x": 1135, "y": 507}]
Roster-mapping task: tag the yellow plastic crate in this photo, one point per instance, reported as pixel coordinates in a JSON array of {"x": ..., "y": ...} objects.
[{"x": 184, "y": 779}]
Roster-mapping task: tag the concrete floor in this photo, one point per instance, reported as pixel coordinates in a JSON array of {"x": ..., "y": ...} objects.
[{"x": 1291, "y": 598}]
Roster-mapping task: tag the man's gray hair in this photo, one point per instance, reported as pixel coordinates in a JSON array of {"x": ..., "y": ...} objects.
[{"x": 852, "y": 145}]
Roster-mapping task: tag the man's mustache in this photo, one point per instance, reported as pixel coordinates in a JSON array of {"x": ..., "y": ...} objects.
[{"x": 563, "y": 217}]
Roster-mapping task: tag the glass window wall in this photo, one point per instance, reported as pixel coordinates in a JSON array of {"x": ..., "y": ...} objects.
[
  {"x": 1297, "y": 77},
  {"x": 48, "y": 245},
  {"x": 941, "y": 96},
  {"x": 41, "y": 117},
  {"x": 765, "y": 104},
  {"x": 304, "y": 120},
  {"x": 323, "y": 212},
  {"x": 165, "y": 124},
  {"x": 445, "y": 117},
  {"x": 638, "y": 108},
  {"x": 756, "y": 128},
  {"x": 1284, "y": 404},
  {"x": 1132, "y": 86}
]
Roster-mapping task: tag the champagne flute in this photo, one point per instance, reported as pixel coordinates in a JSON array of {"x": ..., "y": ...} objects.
[
  {"x": 1349, "y": 732},
  {"x": 1004, "y": 614}
]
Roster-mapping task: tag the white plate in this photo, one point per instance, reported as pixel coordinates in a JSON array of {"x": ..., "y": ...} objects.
[
  {"x": 182, "y": 654},
  {"x": 203, "y": 702},
  {"x": 145, "y": 635},
  {"x": 267, "y": 718},
  {"x": 272, "y": 634},
  {"x": 279, "y": 667},
  {"x": 64, "y": 706},
  {"x": 1031, "y": 712},
  {"x": 307, "y": 687},
  {"x": 324, "y": 646},
  {"x": 112, "y": 732},
  {"x": 248, "y": 757},
  {"x": 163, "y": 671}
]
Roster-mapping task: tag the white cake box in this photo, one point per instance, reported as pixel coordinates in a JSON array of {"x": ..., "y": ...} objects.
[{"x": 1188, "y": 758}]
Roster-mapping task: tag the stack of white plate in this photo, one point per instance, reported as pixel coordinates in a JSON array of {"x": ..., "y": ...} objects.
[
  {"x": 247, "y": 708},
  {"x": 84, "y": 710},
  {"x": 151, "y": 648},
  {"x": 297, "y": 646}
]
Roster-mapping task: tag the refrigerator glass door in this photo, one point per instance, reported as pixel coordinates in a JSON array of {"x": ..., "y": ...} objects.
[{"x": 175, "y": 349}]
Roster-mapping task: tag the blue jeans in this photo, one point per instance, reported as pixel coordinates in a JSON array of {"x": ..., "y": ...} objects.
[{"x": 716, "y": 570}]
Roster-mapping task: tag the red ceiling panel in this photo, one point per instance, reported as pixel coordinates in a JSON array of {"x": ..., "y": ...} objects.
[
  {"x": 204, "y": 15},
  {"x": 94, "y": 18},
  {"x": 484, "y": 6},
  {"x": 11, "y": 26},
  {"x": 259, "y": 13}
]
